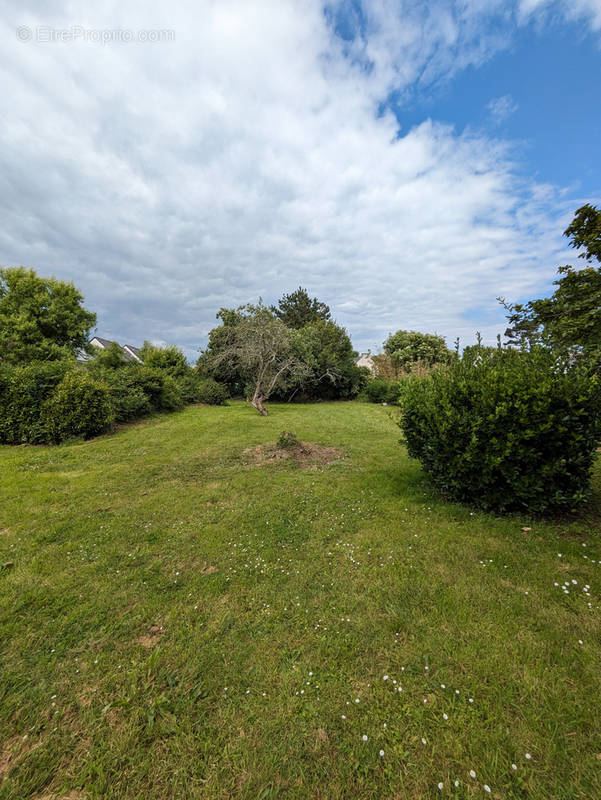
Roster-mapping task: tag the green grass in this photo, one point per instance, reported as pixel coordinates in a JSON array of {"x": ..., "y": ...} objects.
[{"x": 129, "y": 668}]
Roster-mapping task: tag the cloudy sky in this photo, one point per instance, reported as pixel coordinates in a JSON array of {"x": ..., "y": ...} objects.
[{"x": 405, "y": 161}]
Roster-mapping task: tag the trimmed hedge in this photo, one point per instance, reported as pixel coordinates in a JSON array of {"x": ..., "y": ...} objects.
[
  {"x": 506, "y": 429},
  {"x": 79, "y": 407}
]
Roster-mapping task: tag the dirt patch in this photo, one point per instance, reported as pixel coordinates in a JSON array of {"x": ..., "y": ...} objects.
[
  {"x": 308, "y": 455},
  {"x": 151, "y": 637},
  {"x": 208, "y": 569}
]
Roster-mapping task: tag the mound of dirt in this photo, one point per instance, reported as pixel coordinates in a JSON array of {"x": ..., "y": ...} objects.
[{"x": 308, "y": 455}]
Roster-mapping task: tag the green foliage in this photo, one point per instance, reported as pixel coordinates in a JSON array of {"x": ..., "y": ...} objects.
[
  {"x": 79, "y": 407},
  {"x": 41, "y": 319},
  {"x": 408, "y": 347},
  {"x": 108, "y": 358},
  {"x": 287, "y": 441},
  {"x": 328, "y": 352},
  {"x": 211, "y": 393},
  {"x": 23, "y": 392},
  {"x": 506, "y": 429},
  {"x": 161, "y": 390},
  {"x": 568, "y": 322},
  {"x": 169, "y": 359},
  {"x": 379, "y": 390},
  {"x": 297, "y": 309},
  {"x": 128, "y": 398},
  {"x": 585, "y": 232},
  {"x": 254, "y": 348}
]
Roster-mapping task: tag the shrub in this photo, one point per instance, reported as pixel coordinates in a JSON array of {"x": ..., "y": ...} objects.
[
  {"x": 189, "y": 386},
  {"x": 506, "y": 429},
  {"x": 23, "y": 391},
  {"x": 160, "y": 389},
  {"x": 79, "y": 406},
  {"x": 212, "y": 393},
  {"x": 382, "y": 391},
  {"x": 288, "y": 441},
  {"x": 129, "y": 401}
]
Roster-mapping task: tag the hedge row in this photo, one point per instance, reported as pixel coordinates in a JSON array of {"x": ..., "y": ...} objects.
[{"x": 50, "y": 402}]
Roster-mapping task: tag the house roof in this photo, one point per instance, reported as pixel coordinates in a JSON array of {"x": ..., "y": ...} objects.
[
  {"x": 103, "y": 342},
  {"x": 130, "y": 352}
]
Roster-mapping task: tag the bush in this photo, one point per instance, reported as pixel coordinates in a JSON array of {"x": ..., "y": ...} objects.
[
  {"x": 23, "y": 391},
  {"x": 212, "y": 393},
  {"x": 78, "y": 407},
  {"x": 381, "y": 391},
  {"x": 288, "y": 441},
  {"x": 129, "y": 401},
  {"x": 160, "y": 389},
  {"x": 506, "y": 429},
  {"x": 189, "y": 386}
]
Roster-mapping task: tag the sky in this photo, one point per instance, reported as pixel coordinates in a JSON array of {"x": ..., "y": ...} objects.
[{"x": 406, "y": 161}]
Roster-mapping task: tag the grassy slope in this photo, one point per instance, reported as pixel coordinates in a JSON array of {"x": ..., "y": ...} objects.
[{"x": 327, "y": 580}]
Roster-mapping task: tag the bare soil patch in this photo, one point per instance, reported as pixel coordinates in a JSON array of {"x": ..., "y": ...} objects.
[
  {"x": 151, "y": 637},
  {"x": 308, "y": 455}
]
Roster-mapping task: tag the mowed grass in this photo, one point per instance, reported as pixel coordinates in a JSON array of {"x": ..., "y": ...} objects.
[{"x": 180, "y": 622}]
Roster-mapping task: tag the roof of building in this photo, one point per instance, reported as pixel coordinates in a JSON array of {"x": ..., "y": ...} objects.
[
  {"x": 130, "y": 352},
  {"x": 103, "y": 342}
]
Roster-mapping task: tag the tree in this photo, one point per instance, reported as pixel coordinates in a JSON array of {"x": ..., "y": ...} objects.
[
  {"x": 297, "y": 309},
  {"x": 41, "y": 319},
  {"x": 407, "y": 348},
  {"x": 568, "y": 322},
  {"x": 330, "y": 355},
  {"x": 265, "y": 353},
  {"x": 170, "y": 359}
]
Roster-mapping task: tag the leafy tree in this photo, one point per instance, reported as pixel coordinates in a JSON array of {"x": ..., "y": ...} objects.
[
  {"x": 224, "y": 371},
  {"x": 569, "y": 321},
  {"x": 170, "y": 359},
  {"x": 585, "y": 232},
  {"x": 297, "y": 309},
  {"x": 41, "y": 319},
  {"x": 261, "y": 349},
  {"x": 406, "y": 348},
  {"x": 107, "y": 358},
  {"x": 329, "y": 354}
]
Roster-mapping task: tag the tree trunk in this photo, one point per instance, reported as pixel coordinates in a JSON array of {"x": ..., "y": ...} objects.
[{"x": 257, "y": 402}]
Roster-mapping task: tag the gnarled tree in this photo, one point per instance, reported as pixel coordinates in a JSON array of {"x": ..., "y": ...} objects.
[{"x": 262, "y": 349}]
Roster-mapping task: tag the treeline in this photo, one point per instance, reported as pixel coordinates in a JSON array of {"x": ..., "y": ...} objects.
[{"x": 47, "y": 396}]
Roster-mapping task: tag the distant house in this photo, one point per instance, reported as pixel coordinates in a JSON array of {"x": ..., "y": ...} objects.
[
  {"x": 365, "y": 360},
  {"x": 130, "y": 352}
]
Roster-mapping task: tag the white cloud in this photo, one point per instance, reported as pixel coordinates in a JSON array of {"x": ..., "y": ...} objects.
[
  {"x": 246, "y": 158},
  {"x": 589, "y": 10},
  {"x": 501, "y": 108}
]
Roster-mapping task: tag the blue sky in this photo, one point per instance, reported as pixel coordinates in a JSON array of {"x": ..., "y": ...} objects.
[
  {"x": 407, "y": 161},
  {"x": 552, "y": 78}
]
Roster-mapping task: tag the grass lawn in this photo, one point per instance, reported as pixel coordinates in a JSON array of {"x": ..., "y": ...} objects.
[{"x": 179, "y": 621}]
